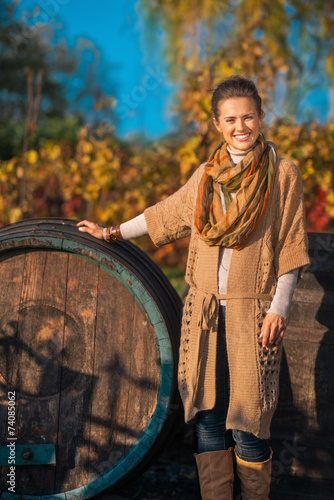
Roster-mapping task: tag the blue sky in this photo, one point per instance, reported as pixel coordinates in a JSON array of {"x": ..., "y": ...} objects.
[
  {"x": 144, "y": 94},
  {"x": 138, "y": 73}
]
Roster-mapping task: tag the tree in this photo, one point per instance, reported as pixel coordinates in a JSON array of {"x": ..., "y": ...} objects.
[
  {"x": 281, "y": 45},
  {"x": 22, "y": 46},
  {"x": 76, "y": 80},
  {"x": 286, "y": 48}
]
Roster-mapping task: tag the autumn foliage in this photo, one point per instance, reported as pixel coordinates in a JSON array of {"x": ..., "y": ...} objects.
[
  {"x": 311, "y": 148},
  {"x": 108, "y": 181}
]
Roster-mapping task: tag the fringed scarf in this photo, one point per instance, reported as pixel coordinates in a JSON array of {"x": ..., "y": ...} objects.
[{"x": 250, "y": 180}]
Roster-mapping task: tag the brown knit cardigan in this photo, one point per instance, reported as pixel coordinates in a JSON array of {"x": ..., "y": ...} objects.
[{"x": 278, "y": 246}]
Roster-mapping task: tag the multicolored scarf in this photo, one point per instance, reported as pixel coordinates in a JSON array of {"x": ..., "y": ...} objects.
[{"x": 250, "y": 180}]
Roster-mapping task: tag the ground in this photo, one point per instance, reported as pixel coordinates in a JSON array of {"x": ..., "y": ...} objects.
[{"x": 173, "y": 475}]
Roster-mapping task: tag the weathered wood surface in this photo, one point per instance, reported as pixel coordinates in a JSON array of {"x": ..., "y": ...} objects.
[
  {"x": 303, "y": 425},
  {"x": 83, "y": 346},
  {"x": 87, "y": 352}
]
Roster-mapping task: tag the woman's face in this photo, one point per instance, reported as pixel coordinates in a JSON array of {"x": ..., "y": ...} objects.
[{"x": 239, "y": 122}]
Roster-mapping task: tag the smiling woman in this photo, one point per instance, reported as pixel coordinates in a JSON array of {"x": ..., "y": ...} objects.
[
  {"x": 239, "y": 122},
  {"x": 238, "y": 113},
  {"x": 244, "y": 212}
]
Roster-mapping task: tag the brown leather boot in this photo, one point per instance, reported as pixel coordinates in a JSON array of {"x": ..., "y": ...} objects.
[
  {"x": 215, "y": 470},
  {"x": 255, "y": 478}
]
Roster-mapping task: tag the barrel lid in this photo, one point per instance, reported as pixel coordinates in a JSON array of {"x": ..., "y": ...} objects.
[{"x": 73, "y": 300}]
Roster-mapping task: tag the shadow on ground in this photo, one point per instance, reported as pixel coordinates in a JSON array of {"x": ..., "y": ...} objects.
[{"x": 174, "y": 476}]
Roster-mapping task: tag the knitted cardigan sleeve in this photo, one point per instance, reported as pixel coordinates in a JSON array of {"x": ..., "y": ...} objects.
[
  {"x": 172, "y": 218},
  {"x": 291, "y": 249}
]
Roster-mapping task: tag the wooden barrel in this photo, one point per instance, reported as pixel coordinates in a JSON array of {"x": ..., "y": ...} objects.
[
  {"x": 89, "y": 337},
  {"x": 303, "y": 425}
]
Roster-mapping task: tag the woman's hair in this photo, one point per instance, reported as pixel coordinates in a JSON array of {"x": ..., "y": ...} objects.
[{"x": 235, "y": 86}]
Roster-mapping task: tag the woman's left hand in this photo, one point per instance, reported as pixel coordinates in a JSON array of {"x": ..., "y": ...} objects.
[{"x": 272, "y": 330}]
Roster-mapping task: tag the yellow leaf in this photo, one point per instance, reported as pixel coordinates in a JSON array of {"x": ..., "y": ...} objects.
[
  {"x": 11, "y": 165},
  {"x": 55, "y": 152},
  {"x": 14, "y": 215},
  {"x": 87, "y": 147},
  {"x": 19, "y": 172},
  {"x": 330, "y": 198},
  {"x": 73, "y": 166},
  {"x": 32, "y": 156},
  {"x": 85, "y": 159}
]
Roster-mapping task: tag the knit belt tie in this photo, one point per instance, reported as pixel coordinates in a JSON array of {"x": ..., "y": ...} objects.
[{"x": 207, "y": 313}]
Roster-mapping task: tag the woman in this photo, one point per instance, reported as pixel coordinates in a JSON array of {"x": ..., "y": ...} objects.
[{"x": 244, "y": 211}]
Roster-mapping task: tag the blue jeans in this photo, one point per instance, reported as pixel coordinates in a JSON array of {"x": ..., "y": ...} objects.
[{"x": 211, "y": 424}]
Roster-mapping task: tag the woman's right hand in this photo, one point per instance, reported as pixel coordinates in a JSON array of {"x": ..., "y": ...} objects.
[{"x": 92, "y": 228}]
